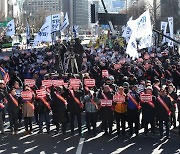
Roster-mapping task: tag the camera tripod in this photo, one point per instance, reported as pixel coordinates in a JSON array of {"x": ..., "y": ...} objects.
[{"x": 71, "y": 63}]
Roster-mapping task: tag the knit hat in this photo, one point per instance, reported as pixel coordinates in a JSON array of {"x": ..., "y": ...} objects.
[{"x": 126, "y": 84}]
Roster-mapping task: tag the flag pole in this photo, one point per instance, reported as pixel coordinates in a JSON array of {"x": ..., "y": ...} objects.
[{"x": 27, "y": 34}]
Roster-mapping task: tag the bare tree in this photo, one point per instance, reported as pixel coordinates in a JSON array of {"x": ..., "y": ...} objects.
[
  {"x": 136, "y": 9},
  {"x": 2, "y": 16}
]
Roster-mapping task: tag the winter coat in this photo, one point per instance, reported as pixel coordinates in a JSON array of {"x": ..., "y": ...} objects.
[
  {"x": 132, "y": 110},
  {"x": 73, "y": 106},
  {"x": 148, "y": 111},
  {"x": 58, "y": 109},
  {"x": 161, "y": 111},
  {"x": 106, "y": 113},
  {"x": 89, "y": 106},
  {"x": 28, "y": 111}
]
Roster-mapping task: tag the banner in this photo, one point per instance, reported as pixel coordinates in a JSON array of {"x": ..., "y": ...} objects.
[
  {"x": 47, "y": 83},
  {"x": 26, "y": 95},
  {"x": 75, "y": 31},
  {"x": 10, "y": 30},
  {"x": 27, "y": 32},
  {"x": 146, "y": 98},
  {"x": 55, "y": 22},
  {"x": 89, "y": 82},
  {"x": 106, "y": 102},
  {"x": 163, "y": 29},
  {"x": 57, "y": 83},
  {"x": 41, "y": 93},
  {"x": 75, "y": 82},
  {"x": 171, "y": 29},
  {"x": 44, "y": 34},
  {"x": 29, "y": 82},
  {"x": 65, "y": 23},
  {"x": 118, "y": 98}
]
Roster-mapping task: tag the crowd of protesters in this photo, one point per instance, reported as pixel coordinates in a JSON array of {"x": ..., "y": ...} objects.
[{"x": 116, "y": 97}]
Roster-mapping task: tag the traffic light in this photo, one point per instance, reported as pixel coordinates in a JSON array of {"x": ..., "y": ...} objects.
[{"x": 93, "y": 13}]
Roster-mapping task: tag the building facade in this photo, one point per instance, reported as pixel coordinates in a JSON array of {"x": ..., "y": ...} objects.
[
  {"x": 3, "y": 9},
  {"x": 37, "y": 10},
  {"x": 78, "y": 11}
]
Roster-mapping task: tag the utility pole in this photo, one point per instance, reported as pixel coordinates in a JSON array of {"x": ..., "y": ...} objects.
[{"x": 109, "y": 22}]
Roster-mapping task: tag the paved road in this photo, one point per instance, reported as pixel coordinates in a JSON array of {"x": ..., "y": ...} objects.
[{"x": 100, "y": 144}]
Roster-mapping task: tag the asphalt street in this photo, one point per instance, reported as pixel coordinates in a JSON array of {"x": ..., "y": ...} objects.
[{"x": 87, "y": 144}]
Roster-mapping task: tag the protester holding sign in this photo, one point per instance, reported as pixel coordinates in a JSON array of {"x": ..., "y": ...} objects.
[
  {"x": 28, "y": 108},
  {"x": 75, "y": 107},
  {"x": 91, "y": 107},
  {"x": 43, "y": 108},
  {"x": 59, "y": 108},
  {"x": 148, "y": 103},
  {"x": 106, "y": 109},
  {"x": 13, "y": 110},
  {"x": 133, "y": 110},
  {"x": 164, "y": 109}
]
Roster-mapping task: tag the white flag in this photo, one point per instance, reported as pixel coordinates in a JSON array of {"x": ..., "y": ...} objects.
[
  {"x": 141, "y": 34},
  {"x": 132, "y": 47},
  {"x": 171, "y": 29},
  {"x": 10, "y": 30},
  {"x": 141, "y": 27},
  {"x": 164, "y": 28},
  {"x": 127, "y": 32},
  {"x": 55, "y": 22},
  {"x": 65, "y": 23},
  {"x": 44, "y": 34}
]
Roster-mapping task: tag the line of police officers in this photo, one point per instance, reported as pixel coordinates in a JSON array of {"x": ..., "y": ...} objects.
[{"x": 66, "y": 105}]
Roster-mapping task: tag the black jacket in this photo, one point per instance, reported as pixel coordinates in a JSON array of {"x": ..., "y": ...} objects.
[
  {"x": 58, "y": 108},
  {"x": 161, "y": 111}
]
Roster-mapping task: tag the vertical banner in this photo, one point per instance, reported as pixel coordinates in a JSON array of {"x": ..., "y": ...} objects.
[
  {"x": 27, "y": 33},
  {"x": 55, "y": 22},
  {"x": 75, "y": 31},
  {"x": 171, "y": 29},
  {"x": 163, "y": 29},
  {"x": 10, "y": 30}
]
